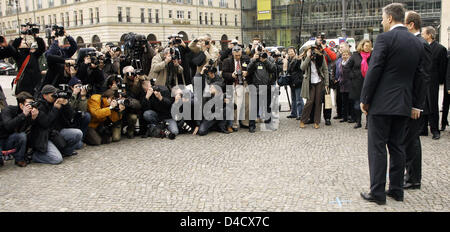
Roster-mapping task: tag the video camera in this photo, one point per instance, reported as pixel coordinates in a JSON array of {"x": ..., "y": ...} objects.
[{"x": 30, "y": 29}]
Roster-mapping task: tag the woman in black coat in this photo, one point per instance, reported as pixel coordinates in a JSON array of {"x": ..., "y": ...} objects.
[{"x": 357, "y": 67}]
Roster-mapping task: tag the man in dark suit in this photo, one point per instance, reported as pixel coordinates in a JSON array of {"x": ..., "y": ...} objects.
[
  {"x": 413, "y": 174},
  {"x": 234, "y": 72},
  {"x": 438, "y": 70},
  {"x": 390, "y": 95},
  {"x": 446, "y": 102}
]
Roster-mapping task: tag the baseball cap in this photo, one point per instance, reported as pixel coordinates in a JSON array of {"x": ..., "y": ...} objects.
[{"x": 49, "y": 89}]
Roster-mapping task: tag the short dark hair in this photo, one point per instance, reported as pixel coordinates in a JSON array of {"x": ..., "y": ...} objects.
[
  {"x": 396, "y": 10},
  {"x": 293, "y": 48},
  {"x": 108, "y": 93},
  {"x": 23, "y": 96},
  {"x": 413, "y": 17}
]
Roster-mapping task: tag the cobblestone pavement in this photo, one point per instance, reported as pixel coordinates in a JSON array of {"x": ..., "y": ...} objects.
[{"x": 291, "y": 169}]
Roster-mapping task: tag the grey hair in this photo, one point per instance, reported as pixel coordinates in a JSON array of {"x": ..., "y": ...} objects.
[
  {"x": 430, "y": 31},
  {"x": 397, "y": 11}
]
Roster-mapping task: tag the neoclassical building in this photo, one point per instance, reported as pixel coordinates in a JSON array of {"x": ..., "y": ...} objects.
[
  {"x": 99, "y": 21},
  {"x": 362, "y": 18}
]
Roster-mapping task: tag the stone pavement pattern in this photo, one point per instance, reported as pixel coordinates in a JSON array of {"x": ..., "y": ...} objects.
[{"x": 286, "y": 170}]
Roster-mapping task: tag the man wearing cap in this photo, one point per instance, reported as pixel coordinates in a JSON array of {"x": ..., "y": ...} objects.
[
  {"x": 52, "y": 139},
  {"x": 78, "y": 102}
]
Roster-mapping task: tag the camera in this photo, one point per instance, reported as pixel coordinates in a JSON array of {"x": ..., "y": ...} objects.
[
  {"x": 34, "y": 104},
  {"x": 175, "y": 54},
  {"x": 62, "y": 94},
  {"x": 177, "y": 39},
  {"x": 264, "y": 55},
  {"x": 31, "y": 29},
  {"x": 207, "y": 42},
  {"x": 156, "y": 89},
  {"x": 125, "y": 102},
  {"x": 186, "y": 127},
  {"x": 59, "y": 30},
  {"x": 260, "y": 49}
]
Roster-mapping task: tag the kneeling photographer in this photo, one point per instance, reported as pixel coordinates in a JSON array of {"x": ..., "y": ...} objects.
[
  {"x": 106, "y": 118},
  {"x": 157, "y": 105},
  {"x": 15, "y": 126},
  {"x": 78, "y": 102},
  {"x": 52, "y": 137}
]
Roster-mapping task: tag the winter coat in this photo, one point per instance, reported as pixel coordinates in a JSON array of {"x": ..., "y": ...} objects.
[{"x": 306, "y": 68}]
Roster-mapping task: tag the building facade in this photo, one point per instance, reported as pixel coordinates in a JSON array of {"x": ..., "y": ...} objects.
[
  {"x": 361, "y": 19},
  {"x": 445, "y": 23},
  {"x": 99, "y": 21}
]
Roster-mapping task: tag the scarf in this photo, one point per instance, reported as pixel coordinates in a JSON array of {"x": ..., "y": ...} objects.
[{"x": 364, "y": 64}]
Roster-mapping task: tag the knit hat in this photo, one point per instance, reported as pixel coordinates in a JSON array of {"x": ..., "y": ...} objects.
[
  {"x": 48, "y": 89},
  {"x": 73, "y": 81}
]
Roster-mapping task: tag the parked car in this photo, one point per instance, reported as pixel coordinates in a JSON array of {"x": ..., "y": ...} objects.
[{"x": 7, "y": 68}]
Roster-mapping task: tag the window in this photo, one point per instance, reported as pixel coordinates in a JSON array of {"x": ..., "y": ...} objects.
[
  {"x": 189, "y": 15},
  {"x": 157, "y": 15},
  {"x": 119, "y": 14},
  {"x": 200, "y": 2},
  {"x": 97, "y": 13},
  {"x": 50, "y": 19},
  {"x": 142, "y": 15},
  {"x": 235, "y": 21},
  {"x": 226, "y": 23},
  {"x": 63, "y": 2},
  {"x": 180, "y": 14},
  {"x": 26, "y": 6},
  {"x": 200, "y": 18},
  {"x": 62, "y": 19},
  {"x": 75, "y": 18},
  {"x": 149, "y": 15},
  {"x": 210, "y": 2},
  {"x": 91, "y": 15},
  {"x": 81, "y": 17},
  {"x": 206, "y": 18},
  {"x": 67, "y": 19},
  {"x": 39, "y": 5},
  {"x": 170, "y": 14},
  {"x": 51, "y": 3},
  {"x": 179, "y": 1},
  {"x": 223, "y": 3},
  {"x": 54, "y": 19},
  {"x": 220, "y": 19},
  {"x": 128, "y": 14}
]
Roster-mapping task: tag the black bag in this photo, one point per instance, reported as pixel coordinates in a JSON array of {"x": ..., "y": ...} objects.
[
  {"x": 285, "y": 79},
  {"x": 56, "y": 138}
]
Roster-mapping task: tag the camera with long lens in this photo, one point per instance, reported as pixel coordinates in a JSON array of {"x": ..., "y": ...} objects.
[
  {"x": 186, "y": 127},
  {"x": 59, "y": 30},
  {"x": 175, "y": 54},
  {"x": 63, "y": 92},
  {"x": 30, "y": 29},
  {"x": 34, "y": 104},
  {"x": 165, "y": 133},
  {"x": 177, "y": 39}
]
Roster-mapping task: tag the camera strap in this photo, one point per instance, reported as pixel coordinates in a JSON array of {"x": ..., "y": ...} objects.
[{"x": 20, "y": 73}]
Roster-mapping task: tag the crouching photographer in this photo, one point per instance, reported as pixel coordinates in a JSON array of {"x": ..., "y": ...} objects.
[
  {"x": 15, "y": 126},
  {"x": 106, "y": 115},
  {"x": 78, "y": 102},
  {"x": 156, "y": 105},
  {"x": 52, "y": 137}
]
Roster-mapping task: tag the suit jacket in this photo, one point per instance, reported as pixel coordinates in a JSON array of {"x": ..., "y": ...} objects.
[
  {"x": 439, "y": 64},
  {"x": 426, "y": 78},
  {"x": 448, "y": 71},
  {"x": 394, "y": 67},
  {"x": 228, "y": 69}
]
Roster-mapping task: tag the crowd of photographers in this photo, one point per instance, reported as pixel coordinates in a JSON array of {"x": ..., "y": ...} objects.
[{"x": 101, "y": 96}]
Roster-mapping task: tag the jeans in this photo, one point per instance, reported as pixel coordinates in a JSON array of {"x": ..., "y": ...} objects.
[
  {"x": 206, "y": 125},
  {"x": 83, "y": 123},
  {"x": 152, "y": 117},
  {"x": 53, "y": 155},
  {"x": 16, "y": 141},
  {"x": 297, "y": 102}
]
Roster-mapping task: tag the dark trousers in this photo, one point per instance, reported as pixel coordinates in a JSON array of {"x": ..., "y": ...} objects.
[
  {"x": 315, "y": 91},
  {"x": 445, "y": 107},
  {"x": 339, "y": 102},
  {"x": 414, "y": 151},
  {"x": 207, "y": 125},
  {"x": 391, "y": 131},
  {"x": 433, "y": 118},
  {"x": 345, "y": 106},
  {"x": 326, "y": 112},
  {"x": 267, "y": 99},
  {"x": 16, "y": 141}
]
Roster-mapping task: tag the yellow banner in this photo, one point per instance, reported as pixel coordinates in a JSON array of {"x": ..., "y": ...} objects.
[{"x": 264, "y": 10}]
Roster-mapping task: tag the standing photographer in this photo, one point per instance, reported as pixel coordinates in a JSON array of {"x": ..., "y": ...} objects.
[
  {"x": 293, "y": 63},
  {"x": 165, "y": 68},
  {"x": 26, "y": 55},
  {"x": 176, "y": 42},
  {"x": 90, "y": 73},
  {"x": 52, "y": 137},
  {"x": 112, "y": 59},
  {"x": 17, "y": 123}
]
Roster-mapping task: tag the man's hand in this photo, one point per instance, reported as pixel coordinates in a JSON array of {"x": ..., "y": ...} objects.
[
  {"x": 83, "y": 92},
  {"x": 449, "y": 92},
  {"x": 364, "y": 108},
  {"x": 175, "y": 62},
  {"x": 121, "y": 107},
  {"x": 256, "y": 56},
  {"x": 76, "y": 90},
  {"x": 113, "y": 104},
  {"x": 34, "y": 113},
  {"x": 87, "y": 60},
  {"x": 168, "y": 58},
  {"x": 27, "y": 109},
  {"x": 234, "y": 75},
  {"x": 415, "y": 114},
  {"x": 244, "y": 73},
  {"x": 149, "y": 93},
  {"x": 158, "y": 95},
  {"x": 195, "y": 130},
  {"x": 58, "y": 103},
  {"x": 71, "y": 62}
]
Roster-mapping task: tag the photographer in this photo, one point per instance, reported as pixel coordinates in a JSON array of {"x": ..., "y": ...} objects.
[
  {"x": 112, "y": 59},
  {"x": 261, "y": 69},
  {"x": 202, "y": 52},
  {"x": 166, "y": 68},
  {"x": 106, "y": 115},
  {"x": 26, "y": 55},
  {"x": 90, "y": 73},
  {"x": 176, "y": 42},
  {"x": 156, "y": 105},
  {"x": 130, "y": 89},
  {"x": 17, "y": 123},
  {"x": 3, "y": 102},
  {"x": 78, "y": 102},
  {"x": 293, "y": 63},
  {"x": 52, "y": 139},
  {"x": 314, "y": 82}
]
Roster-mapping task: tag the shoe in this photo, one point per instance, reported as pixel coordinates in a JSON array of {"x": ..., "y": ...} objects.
[
  {"x": 302, "y": 125},
  {"x": 328, "y": 122},
  {"x": 310, "y": 122},
  {"x": 337, "y": 117},
  {"x": 424, "y": 133},
  {"x": 223, "y": 130},
  {"x": 394, "y": 196},
  {"x": 443, "y": 126},
  {"x": 74, "y": 153},
  {"x": 343, "y": 120},
  {"x": 358, "y": 125},
  {"x": 366, "y": 127},
  {"x": 235, "y": 129},
  {"x": 21, "y": 163},
  {"x": 411, "y": 185},
  {"x": 316, "y": 126},
  {"x": 436, "y": 136},
  {"x": 268, "y": 120},
  {"x": 291, "y": 116},
  {"x": 370, "y": 198},
  {"x": 251, "y": 130},
  {"x": 230, "y": 130},
  {"x": 351, "y": 121},
  {"x": 298, "y": 118}
]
